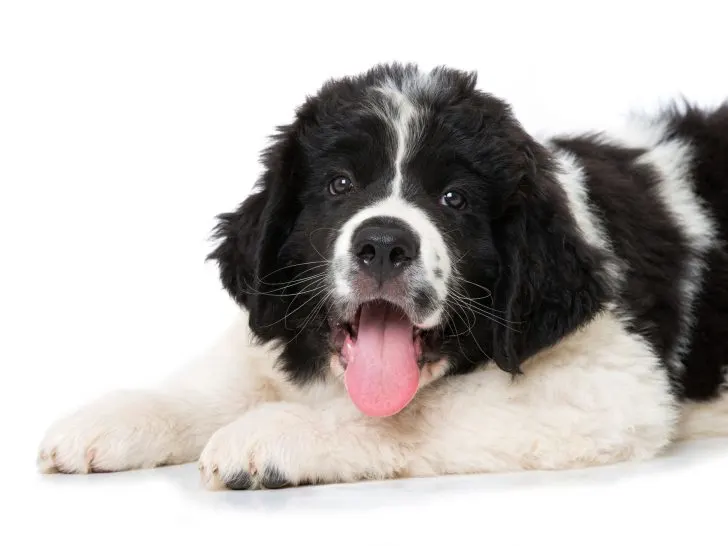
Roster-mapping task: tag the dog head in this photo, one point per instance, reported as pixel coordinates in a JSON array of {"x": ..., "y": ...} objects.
[{"x": 405, "y": 227}]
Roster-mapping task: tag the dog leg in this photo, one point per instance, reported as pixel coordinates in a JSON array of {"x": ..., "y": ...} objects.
[
  {"x": 168, "y": 425},
  {"x": 599, "y": 397}
]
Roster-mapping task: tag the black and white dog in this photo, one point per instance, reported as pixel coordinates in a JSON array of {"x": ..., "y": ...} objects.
[{"x": 427, "y": 289}]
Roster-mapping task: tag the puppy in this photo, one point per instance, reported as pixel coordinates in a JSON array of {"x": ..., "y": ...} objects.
[{"x": 426, "y": 289}]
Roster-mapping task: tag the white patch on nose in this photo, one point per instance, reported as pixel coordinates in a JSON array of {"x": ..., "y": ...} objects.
[{"x": 433, "y": 252}]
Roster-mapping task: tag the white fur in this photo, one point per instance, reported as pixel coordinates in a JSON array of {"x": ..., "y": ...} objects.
[
  {"x": 573, "y": 182},
  {"x": 597, "y": 397},
  {"x": 172, "y": 422},
  {"x": 701, "y": 420}
]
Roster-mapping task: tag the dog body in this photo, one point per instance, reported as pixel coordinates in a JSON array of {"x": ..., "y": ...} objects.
[{"x": 426, "y": 289}]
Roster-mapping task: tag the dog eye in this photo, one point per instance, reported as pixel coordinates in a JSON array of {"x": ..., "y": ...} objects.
[
  {"x": 454, "y": 200},
  {"x": 340, "y": 185}
]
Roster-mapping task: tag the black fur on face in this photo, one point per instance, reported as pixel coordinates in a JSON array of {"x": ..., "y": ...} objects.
[{"x": 520, "y": 276}]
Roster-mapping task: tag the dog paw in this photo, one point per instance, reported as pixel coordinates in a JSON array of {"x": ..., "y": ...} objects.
[
  {"x": 121, "y": 431},
  {"x": 273, "y": 446}
]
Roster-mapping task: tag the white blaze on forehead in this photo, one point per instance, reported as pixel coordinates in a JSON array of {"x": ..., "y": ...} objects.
[
  {"x": 402, "y": 115},
  {"x": 395, "y": 105}
]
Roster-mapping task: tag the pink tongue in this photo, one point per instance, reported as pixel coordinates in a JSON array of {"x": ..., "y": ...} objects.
[{"x": 382, "y": 374}]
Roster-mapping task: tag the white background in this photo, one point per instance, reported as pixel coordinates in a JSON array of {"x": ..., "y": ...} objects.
[{"x": 126, "y": 126}]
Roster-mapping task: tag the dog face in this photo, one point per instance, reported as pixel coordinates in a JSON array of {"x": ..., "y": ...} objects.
[{"x": 406, "y": 227}]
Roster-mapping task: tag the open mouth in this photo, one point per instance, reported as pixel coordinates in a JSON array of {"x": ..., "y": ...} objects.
[{"x": 382, "y": 352}]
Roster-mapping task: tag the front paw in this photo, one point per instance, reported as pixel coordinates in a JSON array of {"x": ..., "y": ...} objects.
[
  {"x": 121, "y": 431},
  {"x": 273, "y": 446}
]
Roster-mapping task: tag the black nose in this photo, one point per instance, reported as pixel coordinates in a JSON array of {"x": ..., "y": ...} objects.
[{"x": 384, "y": 247}]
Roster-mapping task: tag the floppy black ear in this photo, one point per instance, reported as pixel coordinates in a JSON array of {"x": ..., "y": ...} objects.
[
  {"x": 238, "y": 234},
  {"x": 250, "y": 238},
  {"x": 550, "y": 279}
]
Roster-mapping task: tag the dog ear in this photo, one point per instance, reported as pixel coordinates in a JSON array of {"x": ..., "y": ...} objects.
[
  {"x": 238, "y": 234},
  {"x": 550, "y": 279},
  {"x": 250, "y": 238}
]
